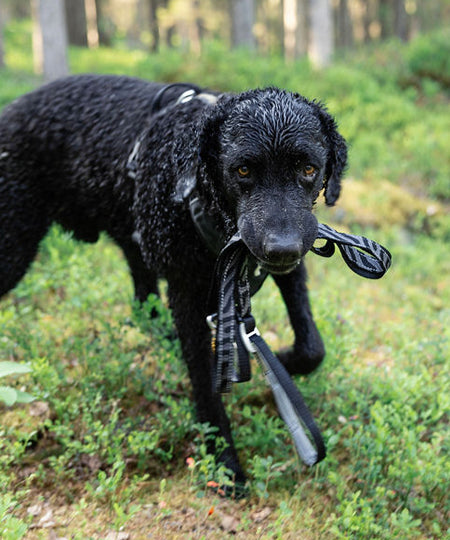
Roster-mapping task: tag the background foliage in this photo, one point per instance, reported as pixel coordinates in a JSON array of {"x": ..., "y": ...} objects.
[{"x": 104, "y": 445}]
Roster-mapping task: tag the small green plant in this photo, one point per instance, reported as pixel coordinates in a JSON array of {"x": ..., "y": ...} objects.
[
  {"x": 206, "y": 470},
  {"x": 8, "y": 394},
  {"x": 108, "y": 485},
  {"x": 11, "y": 528},
  {"x": 264, "y": 470}
]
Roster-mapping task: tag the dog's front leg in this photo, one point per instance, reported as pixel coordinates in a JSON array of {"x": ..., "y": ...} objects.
[
  {"x": 308, "y": 350},
  {"x": 188, "y": 303}
]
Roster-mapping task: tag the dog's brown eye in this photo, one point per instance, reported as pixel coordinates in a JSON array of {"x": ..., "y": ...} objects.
[
  {"x": 243, "y": 171},
  {"x": 309, "y": 170}
]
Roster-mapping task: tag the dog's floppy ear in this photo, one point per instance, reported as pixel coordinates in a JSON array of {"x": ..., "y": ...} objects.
[
  {"x": 337, "y": 156},
  {"x": 185, "y": 164},
  {"x": 200, "y": 149},
  {"x": 209, "y": 136}
]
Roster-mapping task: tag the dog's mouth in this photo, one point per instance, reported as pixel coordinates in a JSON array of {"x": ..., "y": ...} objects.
[
  {"x": 275, "y": 252},
  {"x": 282, "y": 264},
  {"x": 278, "y": 268}
]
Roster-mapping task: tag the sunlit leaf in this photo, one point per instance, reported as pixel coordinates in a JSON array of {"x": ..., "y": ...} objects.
[
  {"x": 8, "y": 395},
  {"x": 13, "y": 368}
]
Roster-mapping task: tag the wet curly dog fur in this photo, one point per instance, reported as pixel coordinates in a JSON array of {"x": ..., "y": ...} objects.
[{"x": 257, "y": 161}]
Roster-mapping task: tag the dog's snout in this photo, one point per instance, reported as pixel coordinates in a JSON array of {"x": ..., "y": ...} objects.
[{"x": 283, "y": 249}]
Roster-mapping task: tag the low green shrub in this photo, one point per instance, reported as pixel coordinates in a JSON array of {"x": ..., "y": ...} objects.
[{"x": 428, "y": 59}]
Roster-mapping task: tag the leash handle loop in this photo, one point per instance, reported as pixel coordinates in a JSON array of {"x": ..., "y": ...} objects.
[
  {"x": 291, "y": 405},
  {"x": 363, "y": 256}
]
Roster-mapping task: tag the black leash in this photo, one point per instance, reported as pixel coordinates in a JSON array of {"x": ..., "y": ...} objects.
[
  {"x": 365, "y": 257},
  {"x": 235, "y": 335}
]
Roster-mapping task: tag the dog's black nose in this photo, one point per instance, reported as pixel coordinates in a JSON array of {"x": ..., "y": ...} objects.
[{"x": 282, "y": 249}]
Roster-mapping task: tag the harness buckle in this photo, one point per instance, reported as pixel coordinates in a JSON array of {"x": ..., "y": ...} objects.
[
  {"x": 211, "y": 321},
  {"x": 248, "y": 329},
  {"x": 186, "y": 96}
]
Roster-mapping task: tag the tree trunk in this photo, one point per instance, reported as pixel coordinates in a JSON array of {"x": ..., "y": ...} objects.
[
  {"x": 301, "y": 38},
  {"x": 321, "y": 42},
  {"x": 92, "y": 24},
  {"x": 104, "y": 37},
  {"x": 290, "y": 28},
  {"x": 154, "y": 26},
  {"x": 242, "y": 21},
  {"x": 50, "y": 39},
  {"x": 367, "y": 20},
  {"x": 385, "y": 18},
  {"x": 2, "y": 50},
  {"x": 344, "y": 27},
  {"x": 76, "y": 22},
  {"x": 196, "y": 28},
  {"x": 401, "y": 20}
]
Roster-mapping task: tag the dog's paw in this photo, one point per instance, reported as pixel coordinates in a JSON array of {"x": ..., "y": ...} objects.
[{"x": 236, "y": 484}]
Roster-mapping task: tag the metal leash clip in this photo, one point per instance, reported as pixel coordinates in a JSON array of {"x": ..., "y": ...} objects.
[
  {"x": 211, "y": 321},
  {"x": 246, "y": 334}
]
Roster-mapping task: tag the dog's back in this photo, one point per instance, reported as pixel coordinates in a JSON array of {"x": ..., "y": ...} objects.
[
  {"x": 62, "y": 148},
  {"x": 71, "y": 133}
]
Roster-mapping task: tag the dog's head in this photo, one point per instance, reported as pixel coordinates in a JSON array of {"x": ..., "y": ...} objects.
[{"x": 269, "y": 153}]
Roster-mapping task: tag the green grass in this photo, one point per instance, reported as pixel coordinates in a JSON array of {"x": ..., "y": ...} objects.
[
  {"x": 104, "y": 445},
  {"x": 118, "y": 419}
]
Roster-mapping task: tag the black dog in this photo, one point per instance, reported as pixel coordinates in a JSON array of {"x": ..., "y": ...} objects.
[{"x": 115, "y": 154}]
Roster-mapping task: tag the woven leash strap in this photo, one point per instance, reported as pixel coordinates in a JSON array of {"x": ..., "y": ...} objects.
[
  {"x": 229, "y": 265},
  {"x": 365, "y": 257},
  {"x": 293, "y": 410}
]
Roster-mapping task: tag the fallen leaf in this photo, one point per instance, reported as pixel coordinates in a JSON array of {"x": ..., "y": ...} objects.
[
  {"x": 53, "y": 536},
  {"x": 91, "y": 461},
  {"x": 113, "y": 535},
  {"x": 39, "y": 408},
  {"x": 34, "y": 510},
  {"x": 261, "y": 515},
  {"x": 46, "y": 520},
  {"x": 229, "y": 523}
]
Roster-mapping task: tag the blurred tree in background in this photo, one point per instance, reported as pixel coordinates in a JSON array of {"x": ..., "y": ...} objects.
[
  {"x": 292, "y": 28},
  {"x": 50, "y": 38},
  {"x": 2, "y": 55},
  {"x": 76, "y": 22}
]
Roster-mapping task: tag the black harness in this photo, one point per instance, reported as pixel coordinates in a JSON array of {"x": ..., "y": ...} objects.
[{"x": 237, "y": 278}]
